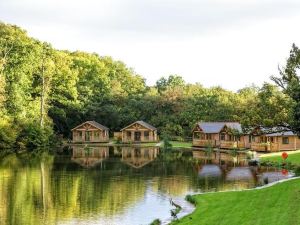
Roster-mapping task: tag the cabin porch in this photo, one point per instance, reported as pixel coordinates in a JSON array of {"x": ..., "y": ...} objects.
[
  {"x": 139, "y": 136},
  {"x": 91, "y": 135}
]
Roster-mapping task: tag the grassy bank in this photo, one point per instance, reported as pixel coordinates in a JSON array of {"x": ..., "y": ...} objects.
[
  {"x": 294, "y": 158},
  {"x": 278, "y": 204},
  {"x": 181, "y": 144}
]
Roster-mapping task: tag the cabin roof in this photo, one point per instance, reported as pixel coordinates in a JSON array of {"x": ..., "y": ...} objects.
[
  {"x": 143, "y": 123},
  {"x": 284, "y": 133},
  {"x": 276, "y": 131},
  {"x": 216, "y": 127},
  {"x": 93, "y": 123}
]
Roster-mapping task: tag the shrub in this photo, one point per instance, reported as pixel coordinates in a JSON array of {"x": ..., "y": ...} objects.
[
  {"x": 191, "y": 199},
  {"x": 156, "y": 222},
  {"x": 32, "y": 136},
  {"x": 166, "y": 142}
]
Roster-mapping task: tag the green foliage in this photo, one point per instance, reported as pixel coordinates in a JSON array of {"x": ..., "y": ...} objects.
[
  {"x": 33, "y": 136},
  {"x": 60, "y": 89},
  {"x": 166, "y": 142},
  {"x": 289, "y": 81},
  {"x": 155, "y": 222},
  {"x": 191, "y": 199}
]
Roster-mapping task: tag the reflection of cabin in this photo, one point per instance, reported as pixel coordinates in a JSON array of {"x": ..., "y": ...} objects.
[
  {"x": 139, "y": 157},
  {"x": 210, "y": 170},
  {"x": 272, "y": 176},
  {"x": 219, "y": 134},
  {"x": 274, "y": 140},
  {"x": 90, "y": 131},
  {"x": 239, "y": 174},
  {"x": 89, "y": 156},
  {"x": 139, "y": 131},
  {"x": 217, "y": 157}
]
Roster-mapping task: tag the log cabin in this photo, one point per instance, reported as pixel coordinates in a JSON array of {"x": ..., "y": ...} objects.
[
  {"x": 274, "y": 140},
  {"x": 90, "y": 132},
  {"x": 139, "y": 131},
  {"x": 225, "y": 135}
]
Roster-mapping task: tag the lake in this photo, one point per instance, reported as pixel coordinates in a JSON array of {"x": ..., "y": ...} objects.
[{"x": 86, "y": 185}]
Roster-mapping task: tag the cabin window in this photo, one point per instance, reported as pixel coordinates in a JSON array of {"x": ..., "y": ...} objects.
[
  {"x": 96, "y": 134},
  {"x": 208, "y": 136},
  {"x": 250, "y": 138},
  {"x": 222, "y": 137},
  {"x": 80, "y": 133},
  {"x": 272, "y": 139},
  {"x": 285, "y": 140},
  {"x": 146, "y": 135},
  {"x": 128, "y": 134}
]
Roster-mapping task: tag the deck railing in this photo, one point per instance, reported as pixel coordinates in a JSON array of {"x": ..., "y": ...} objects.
[
  {"x": 264, "y": 146},
  {"x": 228, "y": 144}
]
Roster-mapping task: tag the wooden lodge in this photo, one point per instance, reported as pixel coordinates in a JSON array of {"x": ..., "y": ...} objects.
[
  {"x": 219, "y": 134},
  {"x": 90, "y": 132},
  {"x": 274, "y": 140},
  {"x": 139, "y": 131},
  {"x": 228, "y": 135}
]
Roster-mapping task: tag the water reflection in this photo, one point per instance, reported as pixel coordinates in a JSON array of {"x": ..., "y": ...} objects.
[
  {"x": 104, "y": 185},
  {"x": 139, "y": 157},
  {"x": 89, "y": 156},
  {"x": 222, "y": 158}
]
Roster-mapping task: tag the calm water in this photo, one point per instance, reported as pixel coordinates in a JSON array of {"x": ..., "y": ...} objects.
[{"x": 115, "y": 186}]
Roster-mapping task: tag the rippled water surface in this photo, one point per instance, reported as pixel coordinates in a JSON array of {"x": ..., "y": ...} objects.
[{"x": 115, "y": 186}]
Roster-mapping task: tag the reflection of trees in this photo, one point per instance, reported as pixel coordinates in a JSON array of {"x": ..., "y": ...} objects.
[
  {"x": 34, "y": 193},
  {"x": 24, "y": 197},
  {"x": 41, "y": 189}
]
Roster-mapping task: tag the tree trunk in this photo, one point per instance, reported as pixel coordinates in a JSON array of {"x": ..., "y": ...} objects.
[{"x": 42, "y": 107}]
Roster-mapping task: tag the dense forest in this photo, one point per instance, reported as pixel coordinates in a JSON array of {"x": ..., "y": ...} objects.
[{"x": 44, "y": 92}]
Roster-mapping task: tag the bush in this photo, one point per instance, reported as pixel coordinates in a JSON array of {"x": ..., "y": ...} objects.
[
  {"x": 166, "y": 142},
  {"x": 7, "y": 137},
  {"x": 297, "y": 171},
  {"x": 156, "y": 222},
  {"x": 191, "y": 199},
  {"x": 32, "y": 136}
]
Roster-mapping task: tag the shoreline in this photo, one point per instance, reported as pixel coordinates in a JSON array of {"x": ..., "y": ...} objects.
[{"x": 244, "y": 190}]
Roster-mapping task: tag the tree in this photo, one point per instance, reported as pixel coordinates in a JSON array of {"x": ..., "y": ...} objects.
[{"x": 289, "y": 81}]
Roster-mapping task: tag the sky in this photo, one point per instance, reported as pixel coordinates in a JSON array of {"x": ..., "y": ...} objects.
[{"x": 228, "y": 43}]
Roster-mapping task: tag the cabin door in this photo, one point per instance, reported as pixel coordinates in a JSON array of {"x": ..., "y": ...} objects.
[
  {"x": 137, "y": 136},
  {"x": 88, "y": 135}
]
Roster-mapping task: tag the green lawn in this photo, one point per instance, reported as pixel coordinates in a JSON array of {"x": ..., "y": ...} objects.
[
  {"x": 276, "y": 205},
  {"x": 181, "y": 144},
  {"x": 293, "y": 158}
]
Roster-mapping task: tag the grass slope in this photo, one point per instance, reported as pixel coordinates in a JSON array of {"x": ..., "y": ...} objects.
[
  {"x": 293, "y": 158},
  {"x": 276, "y": 205},
  {"x": 181, "y": 144}
]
